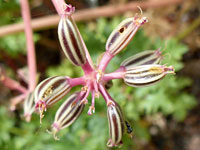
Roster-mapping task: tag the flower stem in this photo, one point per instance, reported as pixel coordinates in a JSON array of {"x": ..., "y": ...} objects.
[
  {"x": 16, "y": 100},
  {"x": 106, "y": 95},
  {"x": 10, "y": 83},
  {"x": 59, "y": 5},
  {"x": 113, "y": 75},
  {"x": 87, "y": 68},
  {"x": 118, "y": 74},
  {"x": 76, "y": 81},
  {"x": 29, "y": 44},
  {"x": 105, "y": 61}
]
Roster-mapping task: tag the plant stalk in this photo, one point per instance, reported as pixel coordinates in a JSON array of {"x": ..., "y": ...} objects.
[{"x": 25, "y": 10}]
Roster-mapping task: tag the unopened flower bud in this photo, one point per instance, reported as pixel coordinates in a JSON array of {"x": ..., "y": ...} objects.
[
  {"x": 146, "y": 74},
  {"x": 50, "y": 91},
  {"x": 144, "y": 58},
  {"x": 71, "y": 40},
  {"x": 116, "y": 125},
  {"x": 66, "y": 114},
  {"x": 123, "y": 34}
]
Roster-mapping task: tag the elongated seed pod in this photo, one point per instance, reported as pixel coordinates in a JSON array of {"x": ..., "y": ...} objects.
[
  {"x": 116, "y": 125},
  {"x": 52, "y": 89},
  {"x": 146, "y": 74},
  {"x": 66, "y": 114},
  {"x": 29, "y": 106},
  {"x": 144, "y": 58},
  {"x": 70, "y": 41},
  {"x": 123, "y": 34}
]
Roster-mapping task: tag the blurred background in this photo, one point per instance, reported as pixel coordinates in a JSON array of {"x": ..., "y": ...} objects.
[{"x": 164, "y": 116}]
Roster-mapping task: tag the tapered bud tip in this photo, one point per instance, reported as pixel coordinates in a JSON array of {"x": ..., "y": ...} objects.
[
  {"x": 27, "y": 117},
  {"x": 111, "y": 144},
  {"x": 41, "y": 105},
  {"x": 91, "y": 110},
  {"x": 158, "y": 52},
  {"x": 169, "y": 69},
  {"x": 69, "y": 9},
  {"x": 55, "y": 127},
  {"x": 141, "y": 20},
  {"x": 54, "y": 130}
]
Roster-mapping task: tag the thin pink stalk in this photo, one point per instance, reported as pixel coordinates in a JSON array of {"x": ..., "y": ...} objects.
[
  {"x": 29, "y": 44},
  {"x": 113, "y": 75},
  {"x": 12, "y": 84},
  {"x": 76, "y": 81},
  {"x": 87, "y": 68},
  {"x": 59, "y": 5},
  {"x": 106, "y": 95},
  {"x": 16, "y": 100},
  {"x": 105, "y": 61}
]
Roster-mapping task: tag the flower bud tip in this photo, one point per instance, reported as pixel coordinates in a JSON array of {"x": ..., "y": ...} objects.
[{"x": 68, "y": 9}]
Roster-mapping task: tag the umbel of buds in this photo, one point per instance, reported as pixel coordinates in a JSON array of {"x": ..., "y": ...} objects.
[{"x": 140, "y": 70}]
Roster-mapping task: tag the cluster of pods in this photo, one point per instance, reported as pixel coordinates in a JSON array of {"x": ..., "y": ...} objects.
[{"x": 140, "y": 70}]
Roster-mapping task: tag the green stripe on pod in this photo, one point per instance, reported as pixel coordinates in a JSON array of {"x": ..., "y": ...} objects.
[
  {"x": 50, "y": 91},
  {"x": 144, "y": 58},
  {"x": 116, "y": 125},
  {"x": 71, "y": 41},
  {"x": 146, "y": 74},
  {"x": 67, "y": 114},
  {"x": 29, "y": 106},
  {"x": 123, "y": 34}
]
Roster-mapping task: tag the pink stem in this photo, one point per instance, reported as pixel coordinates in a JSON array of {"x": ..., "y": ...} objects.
[
  {"x": 29, "y": 44},
  {"x": 76, "y": 81},
  {"x": 105, "y": 61},
  {"x": 12, "y": 84},
  {"x": 105, "y": 94},
  {"x": 89, "y": 62},
  {"x": 16, "y": 100},
  {"x": 87, "y": 68},
  {"x": 59, "y": 5},
  {"x": 113, "y": 75},
  {"x": 93, "y": 98},
  {"x": 118, "y": 74}
]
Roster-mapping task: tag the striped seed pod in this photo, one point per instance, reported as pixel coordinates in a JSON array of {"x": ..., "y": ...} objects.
[
  {"x": 29, "y": 106},
  {"x": 123, "y": 34},
  {"x": 71, "y": 41},
  {"x": 144, "y": 58},
  {"x": 146, "y": 74},
  {"x": 116, "y": 125},
  {"x": 66, "y": 114},
  {"x": 51, "y": 90}
]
